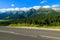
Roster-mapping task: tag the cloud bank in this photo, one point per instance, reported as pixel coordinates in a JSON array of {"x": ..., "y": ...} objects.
[
  {"x": 26, "y": 9},
  {"x": 56, "y": 5}
]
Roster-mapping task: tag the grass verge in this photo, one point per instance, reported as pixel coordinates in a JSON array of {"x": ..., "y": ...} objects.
[{"x": 33, "y": 25}]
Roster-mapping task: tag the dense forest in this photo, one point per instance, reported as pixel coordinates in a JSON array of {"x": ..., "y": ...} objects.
[{"x": 40, "y": 17}]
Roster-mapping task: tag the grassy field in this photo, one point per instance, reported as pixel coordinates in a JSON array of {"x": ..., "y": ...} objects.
[{"x": 3, "y": 20}]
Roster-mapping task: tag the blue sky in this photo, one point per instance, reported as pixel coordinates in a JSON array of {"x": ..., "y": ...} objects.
[{"x": 28, "y": 3}]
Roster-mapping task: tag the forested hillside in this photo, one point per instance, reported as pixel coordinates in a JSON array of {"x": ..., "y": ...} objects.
[{"x": 40, "y": 17}]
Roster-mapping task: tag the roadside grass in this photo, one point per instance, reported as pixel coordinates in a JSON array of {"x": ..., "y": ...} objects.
[
  {"x": 33, "y": 25},
  {"x": 26, "y": 25},
  {"x": 54, "y": 27},
  {"x": 21, "y": 25}
]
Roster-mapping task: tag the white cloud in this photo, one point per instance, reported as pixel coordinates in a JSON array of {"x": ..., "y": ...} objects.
[
  {"x": 47, "y": 6},
  {"x": 43, "y": 1},
  {"x": 2, "y": 10},
  {"x": 25, "y": 9},
  {"x": 14, "y": 9},
  {"x": 12, "y": 5},
  {"x": 17, "y": 9},
  {"x": 36, "y": 7},
  {"x": 55, "y": 5}
]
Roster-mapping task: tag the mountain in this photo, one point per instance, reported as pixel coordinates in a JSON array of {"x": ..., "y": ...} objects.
[
  {"x": 20, "y": 14},
  {"x": 42, "y": 16}
]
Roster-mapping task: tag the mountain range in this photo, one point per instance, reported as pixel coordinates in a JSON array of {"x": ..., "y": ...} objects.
[{"x": 21, "y": 14}]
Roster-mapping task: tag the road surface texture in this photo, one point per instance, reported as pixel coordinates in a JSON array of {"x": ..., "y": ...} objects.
[{"x": 7, "y": 33}]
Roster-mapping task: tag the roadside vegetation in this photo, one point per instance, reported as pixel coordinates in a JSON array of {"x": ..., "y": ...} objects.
[{"x": 43, "y": 17}]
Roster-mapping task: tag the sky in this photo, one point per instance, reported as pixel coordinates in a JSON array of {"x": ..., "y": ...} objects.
[{"x": 28, "y": 3}]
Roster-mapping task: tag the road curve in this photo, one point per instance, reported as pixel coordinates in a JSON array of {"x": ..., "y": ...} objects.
[{"x": 7, "y": 33}]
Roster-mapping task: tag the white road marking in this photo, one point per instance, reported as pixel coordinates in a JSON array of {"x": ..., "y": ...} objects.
[
  {"x": 50, "y": 37},
  {"x": 16, "y": 33},
  {"x": 9, "y": 32}
]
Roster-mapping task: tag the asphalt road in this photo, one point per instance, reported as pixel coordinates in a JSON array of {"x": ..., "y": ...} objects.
[{"x": 7, "y": 33}]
